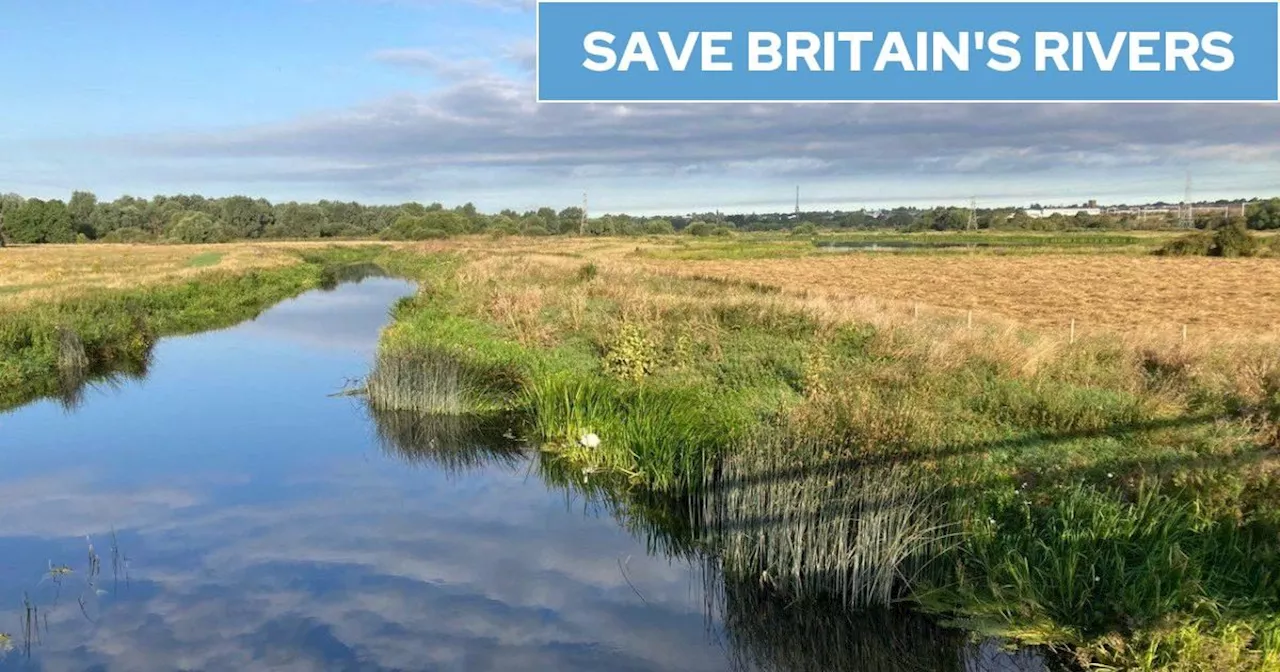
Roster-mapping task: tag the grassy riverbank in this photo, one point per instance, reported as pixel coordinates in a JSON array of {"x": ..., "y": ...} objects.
[
  {"x": 1109, "y": 491},
  {"x": 51, "y": 347},
  {"x": 1113, "y": 495}
]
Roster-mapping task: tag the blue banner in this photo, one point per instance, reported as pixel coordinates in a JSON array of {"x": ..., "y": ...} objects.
[{"x": 908, "y": 51}]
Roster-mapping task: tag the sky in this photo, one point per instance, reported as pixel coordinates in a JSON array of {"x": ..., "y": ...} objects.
[{"x": 387, "y": 101}]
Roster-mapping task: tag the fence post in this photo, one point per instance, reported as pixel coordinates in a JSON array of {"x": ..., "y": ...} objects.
[{"x": 1073, "y": 330}]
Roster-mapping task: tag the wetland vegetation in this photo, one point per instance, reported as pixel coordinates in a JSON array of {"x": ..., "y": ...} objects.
[{"x": 1108, "y": 496}]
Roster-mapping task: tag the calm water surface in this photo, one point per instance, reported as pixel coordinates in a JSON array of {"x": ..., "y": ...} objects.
[{"x": 243, "y": 518}]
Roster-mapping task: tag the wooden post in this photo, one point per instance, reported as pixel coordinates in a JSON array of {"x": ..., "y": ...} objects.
[
  {"x": 1073, "y": 331},
  {"x": 1184, "y": 333},
  {"x": 916, "y": 312},
  {"x": 970, "y": 324}
]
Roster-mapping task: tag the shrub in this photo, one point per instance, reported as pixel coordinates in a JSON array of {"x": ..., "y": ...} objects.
[
  {"x": 198, "y": 227},
  {"x": 128, "y": 234},
  {"x": 1231, "y": 239}
]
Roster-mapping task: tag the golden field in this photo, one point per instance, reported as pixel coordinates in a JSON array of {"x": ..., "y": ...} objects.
[
  {"x": 1126, "y": 293},
  {"x": 1100, "y": 292},
  {"x": 51, "y": 272}
]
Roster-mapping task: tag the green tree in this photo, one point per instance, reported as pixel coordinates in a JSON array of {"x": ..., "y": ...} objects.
[
  {"x": 570, "y": 219},
  {"x": 198, "y": 227},
  {"x": 699, "y": 228},
  {"x": 1265, "y": 214},
  {"x": 246, "y": 217},
  {"x": 298, "y": 220},
  {"x": 658, "y": 227},
  {"x": 9, "y": 203},
  {"x": 37, "y": 221},
  {"x": 452, "y": 223},
  {"x": 82, "y": 207}
]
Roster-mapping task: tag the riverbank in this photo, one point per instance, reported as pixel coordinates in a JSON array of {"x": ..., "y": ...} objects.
[
  {"x": 1109, "y": 496},
  {"x": 51, "y": 345}
]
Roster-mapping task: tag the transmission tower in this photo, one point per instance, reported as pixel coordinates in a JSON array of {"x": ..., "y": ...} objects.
[
  {"x": 972, "y": 225},
  {"x": 582, "y": 223},
  {"x": 797, "y": 201},
  {"x": 1186, "y": 214}
]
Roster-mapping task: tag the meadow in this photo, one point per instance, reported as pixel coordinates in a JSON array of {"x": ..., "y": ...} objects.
[{"x": 865, "y": 427}]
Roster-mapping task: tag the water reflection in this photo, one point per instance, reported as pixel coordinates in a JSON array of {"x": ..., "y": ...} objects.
[
  {"x": 260, "y": 522},
  {"x": 451, "y": 443}
]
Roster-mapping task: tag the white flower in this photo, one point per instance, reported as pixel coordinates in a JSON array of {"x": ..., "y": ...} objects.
[
  {"x": 1110, "y": 475},
  {"x": 589, "y": 441}
]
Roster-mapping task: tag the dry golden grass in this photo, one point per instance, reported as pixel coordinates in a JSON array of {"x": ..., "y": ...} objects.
[
  {"x": 1126, "y": 294},
  {"x": 1142, "y": 296},
  {"x": 50, "y": 272}
]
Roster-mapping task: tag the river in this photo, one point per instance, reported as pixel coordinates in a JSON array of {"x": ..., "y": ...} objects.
[{"x": 229, "y": 511}]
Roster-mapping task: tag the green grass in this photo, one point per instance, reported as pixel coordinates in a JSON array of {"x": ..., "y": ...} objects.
[
  {"x": 205, "y": 260},
  {"x": 773, "y": 246},
  {"x": 51, "y": 349},
  {"x": 1126, "y": 520},
  {"x": 1120, "y": 504}
]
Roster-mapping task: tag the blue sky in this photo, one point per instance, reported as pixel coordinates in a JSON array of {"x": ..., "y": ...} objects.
[{"x": 432, "y": 100}]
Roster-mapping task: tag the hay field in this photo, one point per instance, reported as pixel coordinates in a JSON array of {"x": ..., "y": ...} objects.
[
  {"x": 1120, "y": 293},
  {"x": 41, "y": 273},
  {"x": 1125, "y": 293}
]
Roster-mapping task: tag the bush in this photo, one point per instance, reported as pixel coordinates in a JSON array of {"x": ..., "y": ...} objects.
[
  {"x": 1231, "y": 239},
  {"x": 699, "y": 229},
  {"x": 1192, "y": 245},
  {"x": 805, "y": 229},
  {"x": 658, "y": 227},
  {"x": 198, "y": 227},
  {"x": 128, "y": 234},
  {"x": 722, "y": 231}
]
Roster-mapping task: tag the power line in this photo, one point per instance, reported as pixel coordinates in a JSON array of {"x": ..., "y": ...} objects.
[{"x": 1186, "y": 216}]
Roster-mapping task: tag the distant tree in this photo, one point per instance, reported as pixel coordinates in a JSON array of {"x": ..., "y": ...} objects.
[
  {"x": 296, "y": 220},
  {"x": 452, "y": 223},
  {"x": 1264, "y": 214},
  {"x": 658, "y": 227},
  {"x": 198, "y": 227},
  {"x": 600, "y": 226},
  {"x": 82, "y": 207},
  {"x": 570, "y": 219},
  {"x": 246, "y": 217},
  {"x": 9, "y": 203},
  {"x": 37, "y": 221},
  {"x": 699, "y": 228},
  {"x": 415, "y": 227}
]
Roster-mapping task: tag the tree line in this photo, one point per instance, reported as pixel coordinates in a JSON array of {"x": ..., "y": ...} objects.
[{"x": 197, "y": 219}]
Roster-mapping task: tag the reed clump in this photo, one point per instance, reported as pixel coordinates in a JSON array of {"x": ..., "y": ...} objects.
[
  {"x": 786, "y": 506},
  {"x": 454, "y": 443}
]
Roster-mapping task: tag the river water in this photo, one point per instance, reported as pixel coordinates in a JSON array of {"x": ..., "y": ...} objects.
[{"x": 229, "y": 512}]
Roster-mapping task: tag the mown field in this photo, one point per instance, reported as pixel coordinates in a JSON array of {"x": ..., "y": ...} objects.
[{"x": 841, "y": 425}]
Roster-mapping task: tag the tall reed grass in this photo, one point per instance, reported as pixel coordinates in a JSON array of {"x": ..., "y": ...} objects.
[{"x": 778, "y": 507}]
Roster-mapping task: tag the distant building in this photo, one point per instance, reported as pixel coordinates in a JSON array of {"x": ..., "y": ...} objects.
[{"x": 1065, "y": 212}]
